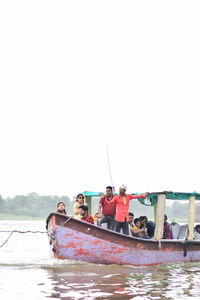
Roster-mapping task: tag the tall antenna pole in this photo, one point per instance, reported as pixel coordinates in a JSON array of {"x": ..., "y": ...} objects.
[{"x": 109, "y": 166}]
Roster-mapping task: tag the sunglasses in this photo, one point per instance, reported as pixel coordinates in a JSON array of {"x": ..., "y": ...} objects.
[{"x": 80, "y": 197}]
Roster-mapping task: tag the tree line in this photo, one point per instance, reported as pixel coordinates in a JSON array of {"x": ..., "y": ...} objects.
[
  {"x": 36, "y": 206},
  {"x": 33, "y": 205}
]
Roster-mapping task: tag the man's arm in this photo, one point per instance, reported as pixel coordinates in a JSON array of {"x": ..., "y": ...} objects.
[
  {"x": 113, "y": 200},
  {"x": 138, "y": 196}
]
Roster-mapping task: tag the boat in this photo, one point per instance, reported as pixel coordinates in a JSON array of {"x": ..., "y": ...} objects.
[{"x": 73, "y": 239}]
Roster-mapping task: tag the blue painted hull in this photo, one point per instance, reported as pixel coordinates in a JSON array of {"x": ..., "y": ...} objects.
[{"x": 76, "y": 240}]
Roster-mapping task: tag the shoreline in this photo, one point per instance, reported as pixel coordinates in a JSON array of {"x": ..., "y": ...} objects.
[
  {"x": 10, "y": 217},
  {"x": 29, "y": 218}
]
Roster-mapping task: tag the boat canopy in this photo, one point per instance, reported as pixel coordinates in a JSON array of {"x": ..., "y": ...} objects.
[
  {"x": 91, "y": 194},
  {"x": 152, "y": 198}
]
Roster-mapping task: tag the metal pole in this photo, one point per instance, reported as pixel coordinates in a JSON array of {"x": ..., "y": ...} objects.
[{"x": 109, "y": 167}]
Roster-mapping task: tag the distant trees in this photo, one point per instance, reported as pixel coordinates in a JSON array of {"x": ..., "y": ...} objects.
[{"x": 33, "y": 205}]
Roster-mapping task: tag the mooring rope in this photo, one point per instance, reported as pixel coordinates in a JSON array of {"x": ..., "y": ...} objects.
[
  {"x": 66, "y": 221},
  {"x": 18, "y": 231}
]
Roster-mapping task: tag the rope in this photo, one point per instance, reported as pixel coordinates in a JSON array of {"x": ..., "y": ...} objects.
[
  {"x": 6, "y": 239},
  {"x": 27, "y": 231},
  {"x": 66, "y": 221},
  {"x": 18, "y": 231}
]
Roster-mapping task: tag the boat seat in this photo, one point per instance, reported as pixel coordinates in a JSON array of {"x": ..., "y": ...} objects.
[
  {"x": 183, "y": 232},
  {"x": 175, "y": 229},
  {"x": 104, "y": 225}
]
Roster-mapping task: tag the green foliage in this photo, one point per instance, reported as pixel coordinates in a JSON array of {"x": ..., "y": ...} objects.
[{"x": 33, "y": 205}]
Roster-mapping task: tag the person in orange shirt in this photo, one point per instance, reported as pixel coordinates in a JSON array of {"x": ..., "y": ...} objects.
[{"x": 122, "y": 208}]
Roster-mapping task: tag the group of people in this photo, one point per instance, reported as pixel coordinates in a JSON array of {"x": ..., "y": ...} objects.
[
  {"x": 80, "y": 210},
  {"x": 114, "y": 211},
  {"x": 141, "y": 227}
]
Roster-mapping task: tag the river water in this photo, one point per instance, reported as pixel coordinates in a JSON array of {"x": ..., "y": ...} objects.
[{"x": 27, "y": 271}]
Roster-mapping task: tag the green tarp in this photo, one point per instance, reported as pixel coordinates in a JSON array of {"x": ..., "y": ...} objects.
[
  {"x": 91, "y": 194},
  {"x": 152, "y": 198}
]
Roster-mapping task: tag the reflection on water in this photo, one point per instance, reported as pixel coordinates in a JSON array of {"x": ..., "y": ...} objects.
[
  {"x": 125, "y": 282},
  {"x": 28, "y": 272}
]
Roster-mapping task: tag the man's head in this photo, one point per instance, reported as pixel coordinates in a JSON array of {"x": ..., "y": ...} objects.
[
  {"x": 197, "y": 228},
  {"x": 165, "y": 218},
  {"x": 122, "y": 190},
  {"x": 143, "y": 220},
  {"x": 83, "y": 210},
  {"x": 109, "y": 191},
  {"x": 130, "y": 217}
]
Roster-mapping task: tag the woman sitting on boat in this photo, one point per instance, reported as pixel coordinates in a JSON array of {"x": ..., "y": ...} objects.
[
  {"x": 61, "y": 208},
  {"x": 80, "y": 200}
]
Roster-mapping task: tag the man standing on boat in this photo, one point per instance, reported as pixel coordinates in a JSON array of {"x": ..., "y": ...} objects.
[
  {"x": 108, "y": 210},
  {"x": 122, "y": 208}
]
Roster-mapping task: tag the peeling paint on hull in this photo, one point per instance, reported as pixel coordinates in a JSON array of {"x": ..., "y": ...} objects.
[{"x": 77, "y": 240}]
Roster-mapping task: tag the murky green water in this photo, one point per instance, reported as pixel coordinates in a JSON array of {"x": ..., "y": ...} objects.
[{"x": 28, "y": 272}]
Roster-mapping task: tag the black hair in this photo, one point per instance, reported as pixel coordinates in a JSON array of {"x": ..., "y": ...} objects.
[
  {"x": 109, "y": 187},
  {"x": 60, "y": 203},
  {"x": 136, "y": 220},
  {"x": 79, "y": 196},
  {"x": 131, "y": 214},
  {"x": 142, "y": 217},
  {"x": 197, "y": 227},
  {"x": 84, "y": 207},
  {"x": 61, "y": 211}
]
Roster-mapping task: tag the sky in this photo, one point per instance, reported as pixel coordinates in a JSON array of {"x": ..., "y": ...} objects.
[{"x": 80, "y": 77}]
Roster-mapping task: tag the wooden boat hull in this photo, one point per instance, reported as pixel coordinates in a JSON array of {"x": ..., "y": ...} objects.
[{"x": 77, "y": 240}]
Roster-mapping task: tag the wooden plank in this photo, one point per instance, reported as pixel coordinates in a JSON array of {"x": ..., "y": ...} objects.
[
  {"x": 191, "y": 218},
  {"x": 160, "y": 212}
]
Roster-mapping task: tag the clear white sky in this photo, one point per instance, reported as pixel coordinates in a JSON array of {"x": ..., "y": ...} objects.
[{"x": 76, "y": 76}]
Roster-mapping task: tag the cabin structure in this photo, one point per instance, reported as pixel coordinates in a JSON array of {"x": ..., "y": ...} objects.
[{"x": 158, "y": 201}]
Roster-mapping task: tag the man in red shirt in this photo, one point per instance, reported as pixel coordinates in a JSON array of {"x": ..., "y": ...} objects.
[
  {"x": 108, "y": 210},
  {"x": 83, "y": 210},
  {"x": 122, "y": 208}
]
